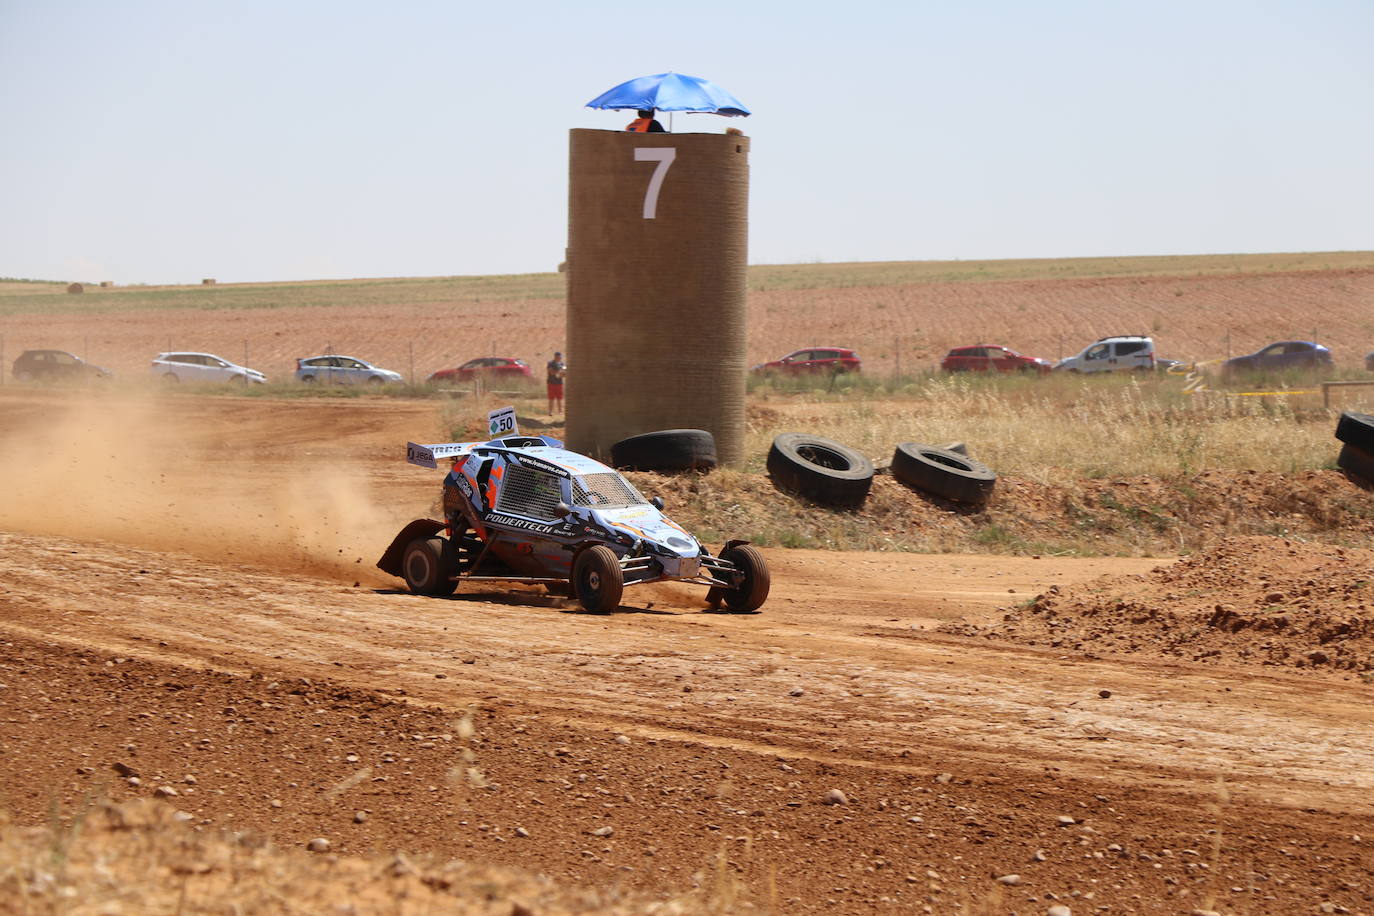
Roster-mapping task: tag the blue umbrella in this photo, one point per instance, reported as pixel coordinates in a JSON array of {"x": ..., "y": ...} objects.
[{"x": 671, "y": 92}]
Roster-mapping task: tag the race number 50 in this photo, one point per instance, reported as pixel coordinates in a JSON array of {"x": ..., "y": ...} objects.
[
  {"x": 501, "y": 422},
  {"x": 664, "y": 156}
]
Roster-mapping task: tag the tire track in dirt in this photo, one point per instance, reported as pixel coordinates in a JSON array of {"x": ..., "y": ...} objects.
[{"x": 725, "y": 679}]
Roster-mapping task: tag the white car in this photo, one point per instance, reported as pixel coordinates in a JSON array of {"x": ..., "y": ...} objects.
[
  {"x": 1112, "y": 354},
  {"x": 202, "y": 367},
  {"x": 342, "y": 370}
]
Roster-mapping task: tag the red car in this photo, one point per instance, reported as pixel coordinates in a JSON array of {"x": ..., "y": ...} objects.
[
  {"x": 487, "y": 367},
  {"x": 814, "y": 359},
  {"x": 991, "y": 358}
]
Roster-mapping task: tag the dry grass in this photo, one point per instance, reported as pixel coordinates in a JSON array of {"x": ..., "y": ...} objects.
[
  {"x": 1087, "y": 466},
  {"x": 145, "y": 857},
  {"x": 1061, "y": 429}
]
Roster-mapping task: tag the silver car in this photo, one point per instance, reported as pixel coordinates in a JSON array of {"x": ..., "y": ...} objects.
[
  {"x": 183, "y": 366},
  {"x": 342, "y": 370}
]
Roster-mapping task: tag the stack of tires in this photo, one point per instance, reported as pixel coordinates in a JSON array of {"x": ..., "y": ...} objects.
[
  {"x": 1356, "y": 433},
  {"x": 830, "y": 473}
]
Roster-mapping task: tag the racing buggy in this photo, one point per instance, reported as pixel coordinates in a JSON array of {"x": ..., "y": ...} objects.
[{"x": 523, "y": 509}]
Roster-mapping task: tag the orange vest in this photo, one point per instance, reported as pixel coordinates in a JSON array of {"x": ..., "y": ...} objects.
[{"x": 640, "y": 125}]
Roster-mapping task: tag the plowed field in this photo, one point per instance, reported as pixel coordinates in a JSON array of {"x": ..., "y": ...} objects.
[
  {"x": 187, "y": 591},
  {"x": 895, "y": 326}
]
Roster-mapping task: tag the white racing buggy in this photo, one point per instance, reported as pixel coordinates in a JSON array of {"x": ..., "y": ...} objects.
[{"x": 524, "y": 509}]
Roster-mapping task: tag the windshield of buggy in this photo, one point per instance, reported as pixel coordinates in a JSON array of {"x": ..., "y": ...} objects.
[{"x": 607, "y": 490}]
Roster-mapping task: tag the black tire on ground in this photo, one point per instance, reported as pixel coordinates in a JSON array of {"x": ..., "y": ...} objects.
[
  {"x": 307, "y": 379},
  {"x": 752, "y": 591},
  {"x": 1356, "y": 462},
  {"x": 943, "y": 472},
  {"x": 170, "y": 378},
  {"x": 820, "y": 469},
  {"x": 666, "y": 450},
  {"x": 23, "y": 375},
  {"x": 376, "y": 381},
  {"x": 597, "y": 580},
  {"x": 1356, "y": 429},
  {"x": 424, "y": 568}
]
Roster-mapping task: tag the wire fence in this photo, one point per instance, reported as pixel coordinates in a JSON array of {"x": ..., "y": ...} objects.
[
  {"x": 276, "y": 355},
  {"x": 274, "y": 346}
]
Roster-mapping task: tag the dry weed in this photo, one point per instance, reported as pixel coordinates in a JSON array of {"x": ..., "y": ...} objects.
[
  {"x": 144, "y": 857},
  {"x": 1063, "y": 429}
]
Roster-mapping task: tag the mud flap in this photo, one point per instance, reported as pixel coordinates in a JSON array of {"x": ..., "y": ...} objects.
[{"x": 420, "y": 528}]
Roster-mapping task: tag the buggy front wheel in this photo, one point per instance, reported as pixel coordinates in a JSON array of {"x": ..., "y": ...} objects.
[
  {"x": 752, "y": 589},
  {"x": 597, "y": 580}
]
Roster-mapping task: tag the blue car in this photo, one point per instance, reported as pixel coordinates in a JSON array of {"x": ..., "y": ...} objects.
[
  {"x": 525, "y": 509},
  {"x": 1282, "y": 356}
]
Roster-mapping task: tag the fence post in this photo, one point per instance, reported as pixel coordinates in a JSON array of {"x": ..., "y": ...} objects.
[{"x": 1228, "y": 343}]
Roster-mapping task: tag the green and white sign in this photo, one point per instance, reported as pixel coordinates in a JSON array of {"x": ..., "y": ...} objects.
[{"x": 501, "y": 422}]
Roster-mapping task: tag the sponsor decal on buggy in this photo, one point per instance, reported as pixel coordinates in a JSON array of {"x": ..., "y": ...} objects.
[
  {"x": 461, "y": 481},
  {"x": 617, "y": 515},
  {"x": 524, "y": 524},
  {"x": 427, "y": 456},
  {"x": 538, "y": 464}
]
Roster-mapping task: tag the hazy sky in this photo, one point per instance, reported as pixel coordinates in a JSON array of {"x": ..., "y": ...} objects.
[{"x": 162, "y": 142}]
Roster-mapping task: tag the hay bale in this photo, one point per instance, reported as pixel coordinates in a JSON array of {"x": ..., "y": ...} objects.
[
  {"x": 106, "y": 284},
  {"x": 208, "y": 281},
  {"x": 75, "y": 288}
]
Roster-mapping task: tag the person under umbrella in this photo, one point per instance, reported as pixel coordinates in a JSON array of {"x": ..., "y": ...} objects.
[{"x": 646, "y": 123}]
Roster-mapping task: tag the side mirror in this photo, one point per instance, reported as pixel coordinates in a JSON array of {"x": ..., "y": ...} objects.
[
  {"x": 657, "y": 503},
  {"x": 563, "y": 510}
]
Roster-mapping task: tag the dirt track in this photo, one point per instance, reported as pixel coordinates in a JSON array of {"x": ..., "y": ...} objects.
[{"x": 162, "y": 601}]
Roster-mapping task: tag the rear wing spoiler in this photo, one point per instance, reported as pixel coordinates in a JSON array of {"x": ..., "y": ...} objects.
[
  {"x": 500, "y": 420},
  {"x": 429, "y": 456}
]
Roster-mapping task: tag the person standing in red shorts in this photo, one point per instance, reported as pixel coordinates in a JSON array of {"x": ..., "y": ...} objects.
[{"x": 557, "y": 371}]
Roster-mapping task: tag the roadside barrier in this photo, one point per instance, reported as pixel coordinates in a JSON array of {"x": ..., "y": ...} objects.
[{"x": 1196, "y": 375}]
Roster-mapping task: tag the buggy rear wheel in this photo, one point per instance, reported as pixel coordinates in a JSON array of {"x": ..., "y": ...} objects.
[
  {"x": 752, "y": 589},
  {"x": 597, "y": 579},
  {"x": 425, "y": 570}
]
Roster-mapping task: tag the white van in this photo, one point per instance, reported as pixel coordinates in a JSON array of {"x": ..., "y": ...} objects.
[{"x": 1112, "y": 354}]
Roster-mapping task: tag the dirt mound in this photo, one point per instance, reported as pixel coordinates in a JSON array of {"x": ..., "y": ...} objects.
[
  {"x": 1247, "y": 600},
  {"x": 1132, "y": 516}
]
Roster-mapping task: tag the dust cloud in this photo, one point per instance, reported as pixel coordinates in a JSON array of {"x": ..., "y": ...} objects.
[{"x": 132, "y": 472}]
